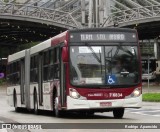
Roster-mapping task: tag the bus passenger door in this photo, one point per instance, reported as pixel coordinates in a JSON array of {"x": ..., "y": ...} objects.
[
  {"x": 22, "y": 77},
  {"x": 63, "y": 67},
  {"x": 40, "y": 77}
]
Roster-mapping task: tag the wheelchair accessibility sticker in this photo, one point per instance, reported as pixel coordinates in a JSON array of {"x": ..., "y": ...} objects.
[{"x": 111, "y": 79}]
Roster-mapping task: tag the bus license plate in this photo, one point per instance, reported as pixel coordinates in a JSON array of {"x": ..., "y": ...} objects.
[{"x": 105, "y": 104}]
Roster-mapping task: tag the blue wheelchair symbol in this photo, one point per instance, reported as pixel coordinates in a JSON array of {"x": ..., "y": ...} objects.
[{"x": 111, "y": 79}]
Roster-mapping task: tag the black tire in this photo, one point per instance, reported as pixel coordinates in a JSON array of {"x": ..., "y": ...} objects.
[
  {"x": 35, "y": 104},
  {"x": 15, "y": 102},
  {"x": 118, "y": 113},
  {"x": 82, "y": 113},
  {"x": 86, "y": 113},
  {"x": 57, "y": 112},
  {"x": 90, "y": 113}
]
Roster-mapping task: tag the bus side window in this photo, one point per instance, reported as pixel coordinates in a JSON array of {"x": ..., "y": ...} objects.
[
  {"x": 46, "y": 62},
  {"x": 51, "y": 68},
  {"x": 33, "y": 70},
  {"x": 36, "y": 68},
  {"x": 9, "y": 74},
  {"x": 56, "y": 64},
  {"x": 18, "y": 72},
  {"x": 14, "y": 73}
]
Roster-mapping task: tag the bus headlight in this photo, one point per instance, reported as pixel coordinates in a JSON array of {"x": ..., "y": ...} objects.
[
  {"x": 73, "y": 93},
  {"x": 135, "y": 93}
]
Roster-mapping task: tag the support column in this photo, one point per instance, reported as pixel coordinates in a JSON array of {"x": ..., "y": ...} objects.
[
  {"x": 90, "y": 17},
  {"x": 101, "y": 11},
  {"x": 107, "y": 9},
  {"x": 83, "y": 10}
]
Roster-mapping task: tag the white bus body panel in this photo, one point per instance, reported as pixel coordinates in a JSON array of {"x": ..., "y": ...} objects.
[
  {"x": 10, "y": 91},
  {"x": 32, "y": 86},
  {"x": 42, "y": 46},
  {"x": 16, "y": 56},
  {"x": 47, "y": 102},
  {"x": 77, "y": 104},
  {"x": 47, "y": 96}
]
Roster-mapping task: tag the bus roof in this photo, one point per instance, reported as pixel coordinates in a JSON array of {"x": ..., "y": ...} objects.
[
  {"x": 16, "y": 56},
  {"x": 109, "y": 29},
  {"x": 48, "y": 43},
  {"x": 60, "y": 38},
  {"x": 41, "y": 46}
]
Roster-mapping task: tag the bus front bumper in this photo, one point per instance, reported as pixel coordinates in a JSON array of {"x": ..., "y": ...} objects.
[{"x": 77, "y": 104}]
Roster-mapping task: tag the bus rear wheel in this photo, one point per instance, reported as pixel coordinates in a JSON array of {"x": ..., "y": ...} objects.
[
  {"x": 15, "y": 102},
  {"x": 118, "y": 113}
]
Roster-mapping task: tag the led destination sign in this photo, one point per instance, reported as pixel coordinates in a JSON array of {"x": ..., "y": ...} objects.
[
  {"x": 92, "y": 37},
  {"x": 103, "y": 37}
]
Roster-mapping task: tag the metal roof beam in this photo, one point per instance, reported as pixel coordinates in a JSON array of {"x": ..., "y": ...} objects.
[
  {"x": 41, "y": 14},
  {"x": 27, "y": 3},
  {"x": 132, "y": 3},
  {"x": 12, "y": 1},
  {"x": 68, "y": 4},
  {"x": 34, "y": 2},
  {"x": 122, "y": 5},
  {"x": 51, "y": 5},
  {"x": 45, "y": 3},
  {"x": 145, "y": 3},
  {"x": 115, "y": 8},
  {"x": 154, "y": 2},
  {"x": 145, "y": 10},
  {"x": 1, "y": 1},
  {"x": 149, "y": 3}
]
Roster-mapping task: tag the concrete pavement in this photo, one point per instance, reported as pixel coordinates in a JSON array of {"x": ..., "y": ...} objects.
[{"x": 3, "y": 89}]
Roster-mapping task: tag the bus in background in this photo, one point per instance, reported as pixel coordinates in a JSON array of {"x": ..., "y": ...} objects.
[
  {"x": 3, "y": 64},
  {"x": 83, "y": 70},
  {"x": 157, "y": 72},
  {"x": 158, "y": 67},
  {"x": 151, "y": 69}
]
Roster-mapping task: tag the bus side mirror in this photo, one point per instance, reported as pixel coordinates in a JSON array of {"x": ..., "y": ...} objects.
[{"x": 65, "y": 54}]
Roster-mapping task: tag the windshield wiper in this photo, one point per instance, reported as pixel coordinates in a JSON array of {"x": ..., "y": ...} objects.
[
  {"x": 93, "y": 52},
  {"x": 95, "y": 55}
]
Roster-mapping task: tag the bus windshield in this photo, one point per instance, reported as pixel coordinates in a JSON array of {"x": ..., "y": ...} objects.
[{"x": 104, "y": 65}]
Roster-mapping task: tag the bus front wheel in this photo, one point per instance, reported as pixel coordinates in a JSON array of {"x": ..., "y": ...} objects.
[{"x": 118, "y": 113}]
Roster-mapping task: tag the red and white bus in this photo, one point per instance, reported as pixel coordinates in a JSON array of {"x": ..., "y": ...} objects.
[{"x": 84, "y": 70}]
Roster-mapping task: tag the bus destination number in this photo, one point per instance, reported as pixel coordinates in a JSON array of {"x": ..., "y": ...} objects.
[
  {"x": 102, "y": 37},
  {"x": 115, "y": 95}
]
